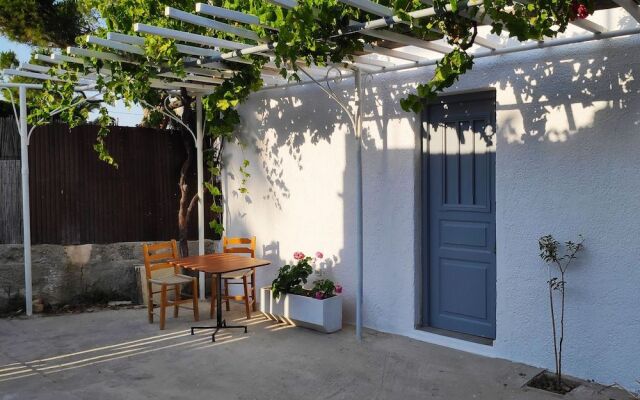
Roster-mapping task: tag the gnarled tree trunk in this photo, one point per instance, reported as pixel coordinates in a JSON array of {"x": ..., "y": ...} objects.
[{"x": 186, "y": 206}]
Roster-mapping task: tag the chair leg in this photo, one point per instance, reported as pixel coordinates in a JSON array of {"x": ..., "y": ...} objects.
[
  {"x": 177, "y": 297},
  {"x": 226, "y": 293},
  {"x": 247, "y": 300},
  {"x": 253, "y": 290},
  {"x": 163, "y": 305},
  {"x": 214, "y": 294},
  {"x": 150, "y": 302},
  {"x": 196, "y": 310}
]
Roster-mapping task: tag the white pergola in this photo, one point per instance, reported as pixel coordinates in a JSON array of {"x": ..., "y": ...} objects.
[{"x": 210, "y": 61}]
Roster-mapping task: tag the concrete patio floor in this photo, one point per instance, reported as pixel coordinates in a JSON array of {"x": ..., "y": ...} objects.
[{"x": 118, "y": 355}]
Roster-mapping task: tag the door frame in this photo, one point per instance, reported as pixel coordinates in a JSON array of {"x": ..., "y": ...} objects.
[{"x": 422, "y": 255}]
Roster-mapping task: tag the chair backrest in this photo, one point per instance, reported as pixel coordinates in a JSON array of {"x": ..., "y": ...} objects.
[
  {"x": 239, "y": 245},
  {"x": 156, "y": 256}
]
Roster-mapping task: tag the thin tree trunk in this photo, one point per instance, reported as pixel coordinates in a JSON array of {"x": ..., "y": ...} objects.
[
  {"x": 561, "y": 330},
  {"x": 185, "y": 206},
  {"x": 553, "y": 325}
]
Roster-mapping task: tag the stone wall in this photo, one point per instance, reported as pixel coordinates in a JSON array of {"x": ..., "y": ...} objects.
[{"x": 72, "y": 274}]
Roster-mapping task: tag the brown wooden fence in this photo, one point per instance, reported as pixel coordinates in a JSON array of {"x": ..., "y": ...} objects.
[{"x": 75, "y": 198}]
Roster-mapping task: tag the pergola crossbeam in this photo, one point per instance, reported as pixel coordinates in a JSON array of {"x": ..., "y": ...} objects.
[
  {"x": 630, "y": 7},
  {"x": 211, "y": 24},
  {"x": 403, "y": 55},
  {"x": 66, "y": 59},
  {"x": 115, "y": 45},
  {"x": 224, "y": 13},
  {"x": 48, "y": 59},
  {"x": 188, "y": 37},
  {"x": 589, "y": 25},
  {"x": 77, "y": 51},
  {"x": 407, "y": 40},
  {"x": 370, "y": 7}
]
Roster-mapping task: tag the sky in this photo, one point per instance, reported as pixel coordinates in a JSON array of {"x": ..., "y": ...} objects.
[{"x": 124, "y": 116}]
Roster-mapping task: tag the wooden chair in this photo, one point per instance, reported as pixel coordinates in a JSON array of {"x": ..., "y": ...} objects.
[
  {"x": 246, "y": 278},
  {"x": 155, "y": 258}
]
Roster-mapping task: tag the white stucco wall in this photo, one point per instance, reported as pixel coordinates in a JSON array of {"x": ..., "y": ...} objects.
[{"x": 568, "y": 128}]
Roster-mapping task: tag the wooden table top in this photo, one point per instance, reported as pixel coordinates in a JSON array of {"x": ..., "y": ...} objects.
[{"x": 219, "y": 263}]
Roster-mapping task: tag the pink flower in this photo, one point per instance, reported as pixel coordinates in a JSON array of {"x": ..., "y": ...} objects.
[
  {"x": 580, "y": 10},
  {"x": 338, "y": 289},
  {"x": 298, "y": 255},
  {"x": 319, "y": 295},
  {"x": 319, "y": 255}
]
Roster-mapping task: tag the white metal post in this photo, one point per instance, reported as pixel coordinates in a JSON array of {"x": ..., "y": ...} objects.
[
  {"x": 26, "y": 220},
  {"x": 200, "y": 161},
  {"x": 359, "y": 228}
]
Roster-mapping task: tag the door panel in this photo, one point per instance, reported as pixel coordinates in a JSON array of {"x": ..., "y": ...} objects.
[{"x": 458, "y": 186}]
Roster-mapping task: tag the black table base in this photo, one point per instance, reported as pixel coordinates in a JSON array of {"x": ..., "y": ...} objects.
[
  {"x": 220, "y": 323},
  {"x": 217, "y": 328}
]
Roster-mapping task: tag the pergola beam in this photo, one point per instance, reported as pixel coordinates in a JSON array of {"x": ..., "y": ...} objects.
[
  {"x": 41, "y": 76},
  {"x": 188, "y": 37},
  {"x": 182, "y": 48},
  {"x": 370, "y": 7},
  {"x": 211, "y": 24},
  {"x": 402, "y": 55},
  {"x": 224, "y": 13},
  {"x": 589, "y": 25},
  {"x": 48, "y": 59},
  {"x": 77, "y": 51},
  {"x": 630, "y": 7},
  {"x": 115, "y": 45},
  {"x": 407, "y": 40}
]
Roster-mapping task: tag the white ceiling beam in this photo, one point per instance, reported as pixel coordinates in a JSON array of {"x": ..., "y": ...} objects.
[
  {"x": 224, "y": 13},
  {"x": 487, "y": 43},
  {"x": 407, "y": 40},
  {"x": 178, "y": 85},
  {"x": 76, "y": 51},
  {"x": 195, "y": 78},
  {"x": 30, "y": 74},
  {"x": 370, "y": 7},
  {"x": 182, "y": 48},
  {"x": 393, "y": 53},
  {"x": 130, "y": 39},
  {"x": 188, "y": 37},
  {"x": 196, "y": 51},
  {"x": 631, "y": 7},
  {"x": 288, "y": 4},
  {"x": 589, "y": 25},
  {"x": 210, "y": 24},
  {"x": 373, "y": 61},
  {"x": 213, "y": 73},
  {"x": 66, "y": 59},
  {"x": 35, "y": 68},
  {"x": 48, "y": 59},
  {"x": 40, "y": 76},
  {"x": 115, "y": 45}
]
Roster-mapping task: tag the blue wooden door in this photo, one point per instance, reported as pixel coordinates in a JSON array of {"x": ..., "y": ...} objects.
[{"x": 459, "y": 239}]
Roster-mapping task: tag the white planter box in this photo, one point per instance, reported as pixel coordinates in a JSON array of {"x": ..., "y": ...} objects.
[{"x": 321, "y": 315}]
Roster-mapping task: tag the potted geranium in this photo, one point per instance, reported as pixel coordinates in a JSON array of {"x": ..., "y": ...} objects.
[{"x": 288, "y": 300}]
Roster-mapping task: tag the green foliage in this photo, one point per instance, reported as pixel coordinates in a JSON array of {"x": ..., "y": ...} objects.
[
  {"x": 45, "y": 22},
  {"x": 448, "y": 71},
  {"x": 8, "y": 59},
  {"x": 322, "y": 289},
  {"x": 291, "y": 278}
]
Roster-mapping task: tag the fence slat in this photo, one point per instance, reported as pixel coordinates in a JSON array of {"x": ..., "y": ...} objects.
[
  {"x": 11, "y": 210},
  {"x": 76, "y": 199}
]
